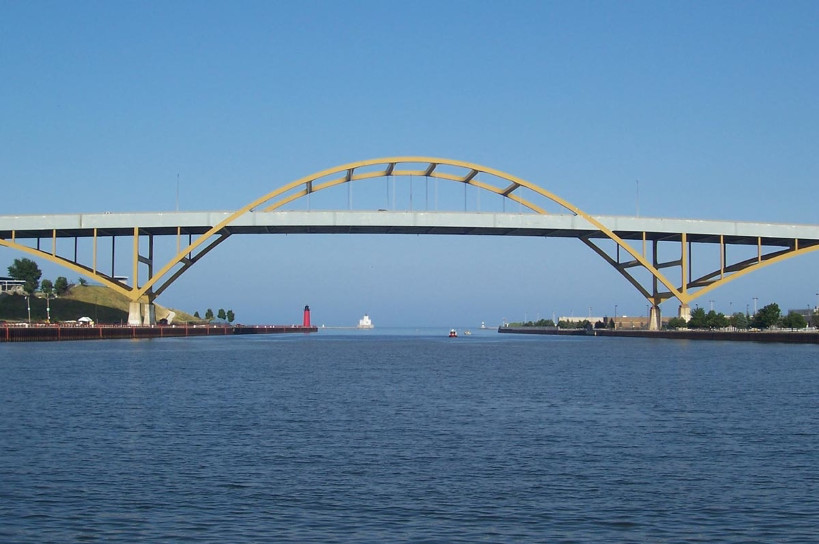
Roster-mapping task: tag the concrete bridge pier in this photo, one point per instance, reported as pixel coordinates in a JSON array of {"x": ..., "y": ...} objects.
[
  {"x": 141, "y": 314},
  {"x": 655, "y": 321},
  {"x": 685, "y": 312}
]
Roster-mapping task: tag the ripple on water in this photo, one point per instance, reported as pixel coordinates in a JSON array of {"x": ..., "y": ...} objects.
[{"x": 381, "y": 438}]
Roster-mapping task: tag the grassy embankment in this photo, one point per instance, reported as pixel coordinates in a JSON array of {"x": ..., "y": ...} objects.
[{"x": 95, "y": 301}]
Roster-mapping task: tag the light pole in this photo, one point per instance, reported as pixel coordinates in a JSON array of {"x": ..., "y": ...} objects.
[
  {"x": 755, "y": 299},
  {"x": 28, "y": 306},
  {"x": 712, "y": 305}
]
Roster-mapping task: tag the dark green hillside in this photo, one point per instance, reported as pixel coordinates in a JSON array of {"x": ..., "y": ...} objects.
[
  {"x": 101, "y": 304},
  {"x": 13, "y": 308}
]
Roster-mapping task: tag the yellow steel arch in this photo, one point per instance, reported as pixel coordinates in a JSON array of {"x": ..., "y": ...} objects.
[
  {"x": 76, "y": 267},
  {"x": 704, "y": 284},
  {"x": 349, "y": 173},
  {"x": 408, "y": 166}
]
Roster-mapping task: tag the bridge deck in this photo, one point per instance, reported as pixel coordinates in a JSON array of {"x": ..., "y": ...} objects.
[{"x": 405, "y": 222}]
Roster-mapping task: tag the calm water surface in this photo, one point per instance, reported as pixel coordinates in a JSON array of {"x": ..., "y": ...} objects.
[{"x": 416, "y": 438}]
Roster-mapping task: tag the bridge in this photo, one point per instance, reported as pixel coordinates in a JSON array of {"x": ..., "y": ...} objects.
[{"x": 656, "y": 255}]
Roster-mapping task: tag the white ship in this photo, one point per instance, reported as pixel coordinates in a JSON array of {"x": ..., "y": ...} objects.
[{"x": 365, "y": 323}]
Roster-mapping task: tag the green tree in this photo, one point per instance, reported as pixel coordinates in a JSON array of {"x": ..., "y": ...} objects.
[
  {"x": 208, "y": 314},
  {"x": 676, "y": 323},
  {"x": 739, "y": 320},
  {"x": 716, "y": 320},
  {"x": 47, "y": 287},
  {"x": 61, "y": 285},
  {"x": 794, "y": 321},
  {"x": 82, "y": 281},
  {"x": 221, "y": 314},
  {"x": 196, "y": 314},
  {"x": 230, "y": 316},
  {"x": 698, "y": 319},
  {"x": 767, "y": 317},
  {"x": 28, "y": 271},
  {"x": 574, "y": 324}
]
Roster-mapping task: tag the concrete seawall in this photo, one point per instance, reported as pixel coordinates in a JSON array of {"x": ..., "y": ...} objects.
[
  {"x": 790, "y": 337},
  {"x": 59, "y": 333},
  {"x": 542, "y": 330}
]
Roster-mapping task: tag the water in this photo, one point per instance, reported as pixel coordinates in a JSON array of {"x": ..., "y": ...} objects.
[{"x": 408, "y": 438}]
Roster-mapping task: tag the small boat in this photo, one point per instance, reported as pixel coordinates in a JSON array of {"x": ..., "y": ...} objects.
[
  {"x": 467, "y": 332},
  {"x": 453, "y": 333}
]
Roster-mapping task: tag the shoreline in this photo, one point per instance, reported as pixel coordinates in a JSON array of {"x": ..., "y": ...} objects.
[
  {"x": 781, "y": 336},
  {"x": 57, "y": 333}
]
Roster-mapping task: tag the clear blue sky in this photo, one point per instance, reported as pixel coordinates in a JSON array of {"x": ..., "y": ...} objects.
[{"x": 712, "y": 106}]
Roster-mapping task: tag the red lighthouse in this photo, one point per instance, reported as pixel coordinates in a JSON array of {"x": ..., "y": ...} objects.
[{"x": 306, "y": 322}]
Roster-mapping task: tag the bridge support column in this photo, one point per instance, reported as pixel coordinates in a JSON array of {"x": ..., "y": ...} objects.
[
  {"x": 655, "y": 322},
  {"x": 141, "y": 314},
  {"x": 685, "y": 312}
]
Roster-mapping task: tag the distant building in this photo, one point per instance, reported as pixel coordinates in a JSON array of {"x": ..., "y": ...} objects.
[
  {"x": 628, "y": 322},
  {"x": 365, "y": 322},
  {"x": 807, "y": 313},
  {"x": 12, "y": 286}
]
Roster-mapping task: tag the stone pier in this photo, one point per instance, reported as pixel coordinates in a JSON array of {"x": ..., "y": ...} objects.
[
  {"x": 684, "y": 312},
  {"x": 655, "y": 320},
  {"x": 141, "y": 314}
]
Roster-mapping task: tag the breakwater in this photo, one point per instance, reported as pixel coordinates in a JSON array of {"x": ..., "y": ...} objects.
[
  {"x": 783, "y": 336},
  {"x": 542, "y": 330},
  {"x": 46, "y": 333}
]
